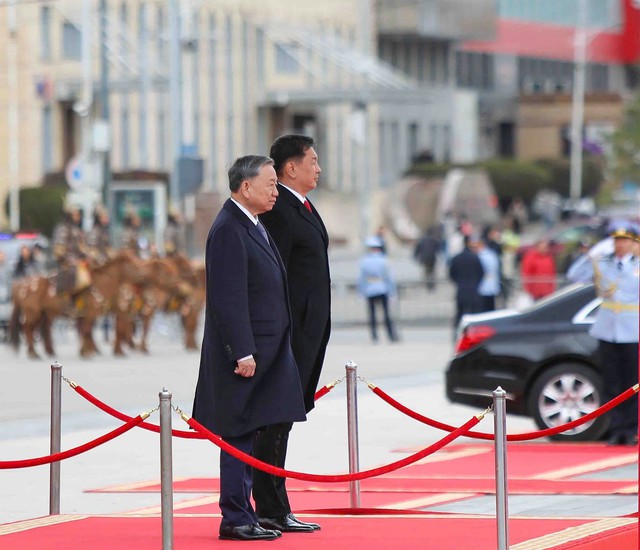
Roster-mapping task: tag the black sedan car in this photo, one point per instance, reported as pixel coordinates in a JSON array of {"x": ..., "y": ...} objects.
[{"x": 542, "y": 357}]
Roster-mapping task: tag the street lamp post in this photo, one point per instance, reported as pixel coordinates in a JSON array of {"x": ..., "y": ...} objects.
[{"x": 577, "y": 105}]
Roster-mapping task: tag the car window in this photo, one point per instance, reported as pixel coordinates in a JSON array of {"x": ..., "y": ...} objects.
[{"x": 553, "y": 297}]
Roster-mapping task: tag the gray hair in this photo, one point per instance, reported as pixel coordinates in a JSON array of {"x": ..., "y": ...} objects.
[{"x": 245, "y": 168}]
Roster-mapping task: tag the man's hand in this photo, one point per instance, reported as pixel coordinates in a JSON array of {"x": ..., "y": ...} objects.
[{"x": 246, "y": 368}]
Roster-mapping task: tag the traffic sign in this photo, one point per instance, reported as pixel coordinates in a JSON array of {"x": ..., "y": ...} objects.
[{"x": 73, "y": 173}]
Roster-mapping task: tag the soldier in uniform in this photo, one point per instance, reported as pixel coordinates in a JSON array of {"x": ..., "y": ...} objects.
[
  {"x": 174, "y": 235},
  {"x": 617, "y": 279},
  {"x": 130, "y": 238},
  {"x": 98, "y": 239},
  {"x": 69, "y": 250}
]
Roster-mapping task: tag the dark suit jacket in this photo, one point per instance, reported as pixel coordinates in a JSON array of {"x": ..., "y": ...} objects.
[
  {"x": 303, "y": 242},
  {"x": 247, "y": 313},
  {"x": 466, "y": 272}
]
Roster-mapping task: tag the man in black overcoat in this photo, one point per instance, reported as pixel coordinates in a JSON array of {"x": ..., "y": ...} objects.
[
  {"x": 248, "y": 377},
  {"x": 302, "y": 240},
  {"x": 466, "y": 272}
]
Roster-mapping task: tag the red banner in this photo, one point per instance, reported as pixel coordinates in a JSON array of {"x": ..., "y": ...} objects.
[{"x": 630, "y": 44}]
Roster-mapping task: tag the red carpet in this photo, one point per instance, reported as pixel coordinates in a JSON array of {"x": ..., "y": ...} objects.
[
  {"x": 532, "y": 469},
  {"x": 415, "y": 485},
  {"x": 338, "y": 533}
]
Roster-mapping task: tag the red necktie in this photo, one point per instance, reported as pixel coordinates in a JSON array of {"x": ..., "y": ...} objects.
[{"x": 307, "y": 205}]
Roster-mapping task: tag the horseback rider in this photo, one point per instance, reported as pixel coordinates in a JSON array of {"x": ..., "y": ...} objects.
[
  {"x": 130, "y": 237},
  {"x": 69, "y": 250},
  {"x": 98, "y": 239},
  {"x": 174, "y": 235}
]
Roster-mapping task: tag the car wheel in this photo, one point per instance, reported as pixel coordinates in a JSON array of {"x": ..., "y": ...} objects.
[{"x": 564, "y": 393}]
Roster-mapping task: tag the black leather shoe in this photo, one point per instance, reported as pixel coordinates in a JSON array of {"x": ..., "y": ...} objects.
[
  {"x": 247, "y": 532},
  {"x": 287, "y": 524},
  {"x": 315, "y": 526}
]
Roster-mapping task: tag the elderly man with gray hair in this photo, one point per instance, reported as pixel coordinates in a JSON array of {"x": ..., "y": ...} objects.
[{"x": 248, "y": 377}]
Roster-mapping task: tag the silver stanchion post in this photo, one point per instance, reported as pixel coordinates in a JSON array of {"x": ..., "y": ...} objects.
[
  {"x": 54, "y": 435},
  {"x": 352, "y": 432},
  {"x": 500, "y": 442},
  {"x": 166, "y": 470}
]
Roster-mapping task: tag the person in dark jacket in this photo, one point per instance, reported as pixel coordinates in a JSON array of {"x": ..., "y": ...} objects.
[
  {"x": 466, "y": 272},
  {"x": 426, "y": 253},
  {"x": 302, "y": 239},
  {"x": 248, "y": 379}
]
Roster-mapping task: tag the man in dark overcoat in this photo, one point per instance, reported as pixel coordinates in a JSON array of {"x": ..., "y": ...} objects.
[
  {"x": 302, "y": 239},
  {"x": 248, "y": 377},
  {"x": 466, "y": 272}
]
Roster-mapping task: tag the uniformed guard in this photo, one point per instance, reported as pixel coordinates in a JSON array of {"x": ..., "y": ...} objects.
[
  {"x": 174, "y": 235},
  {"x": 130, "y": 237},
  {"x": 69, "y": 250},
  {"x": 98, "y": 239},
  {"x": 617, "y": 278}
]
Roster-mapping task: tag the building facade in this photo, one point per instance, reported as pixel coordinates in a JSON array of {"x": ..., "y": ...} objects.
[
  {"x": 154, "y": 81},
  {"x": 534, "y": 55}
]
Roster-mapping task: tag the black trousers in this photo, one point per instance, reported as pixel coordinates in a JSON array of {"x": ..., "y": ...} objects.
[
  {"x": 235, "y": 484},
  {"x": 619, "y": 373},
  {"x": 383, "y": 301},
  {"x": 270, "y": 492}
]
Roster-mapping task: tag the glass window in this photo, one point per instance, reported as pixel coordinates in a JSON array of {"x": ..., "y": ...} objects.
[
  {"x": 229, "y": 80},
  {"x": 125, "y": 138},
  {"x": 162, "y": 139},
  {"x": 47, "y": 139},
  {"x": 71, "y": 41},
  {"x": 161, "y": 39},
  {"x": 286, "y": 58},
  {"x": 45, "y": 33}
]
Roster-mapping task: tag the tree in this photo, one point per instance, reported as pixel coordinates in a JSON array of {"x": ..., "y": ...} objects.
[{"x": 625, "y": 143}]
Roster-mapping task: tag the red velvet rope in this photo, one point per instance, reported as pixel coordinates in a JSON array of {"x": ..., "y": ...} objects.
[
  {"x": 512, "y": 437},
  {"x": 27, "y": 463},
  {"x": 154, "y": 427},
  {"x": 121, "y": 416},
  {"x": 268, "y": 468}
]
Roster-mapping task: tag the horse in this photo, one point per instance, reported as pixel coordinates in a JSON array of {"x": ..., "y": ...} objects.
[{"x": 36, "y": 303}]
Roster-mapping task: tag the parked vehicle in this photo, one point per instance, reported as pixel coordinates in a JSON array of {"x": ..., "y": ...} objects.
[{"x": 543, "y": 357}]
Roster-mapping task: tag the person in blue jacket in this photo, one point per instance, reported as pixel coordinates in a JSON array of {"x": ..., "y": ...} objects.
[
  {"x": 377, "y": 285},
  {"x": 617, "y": 279}
]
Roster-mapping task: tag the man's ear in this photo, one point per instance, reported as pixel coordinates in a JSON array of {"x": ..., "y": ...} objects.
[
  {"x": 244, "y": 188},
  {"x": 290, "y": 169}
]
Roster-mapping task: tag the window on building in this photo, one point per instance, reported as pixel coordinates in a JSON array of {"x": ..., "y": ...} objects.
[
  {"x": 125, "y": 138},
  {"x": 47, "y": 139},
  {"x": 287, "y": 58},
  {"x": 213, "y": 97},
  {"x": 45, "y": 33},
  {"x": 229, "y": 91},
  {"x": 162, "y": 140},
  {"x": 121, "y": 32},
  {"x": 420, "y": 62},
  {"x": 71, "y": 41},
  {"x": 598, "y": 78},
  {"x": 260, "y": 40},
  {"x": 412, "y": 141},
  {"x": 632, "y": 76},
  {"x": 433, "y": 62},
  {"x": 161, "y": 38}
]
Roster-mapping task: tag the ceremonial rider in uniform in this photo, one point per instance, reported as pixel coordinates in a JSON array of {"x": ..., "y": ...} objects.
[
  {"x": 98, "y": 240},
  {"x": 69, "y": 250},
  {"x": 617, "y": 278}
]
